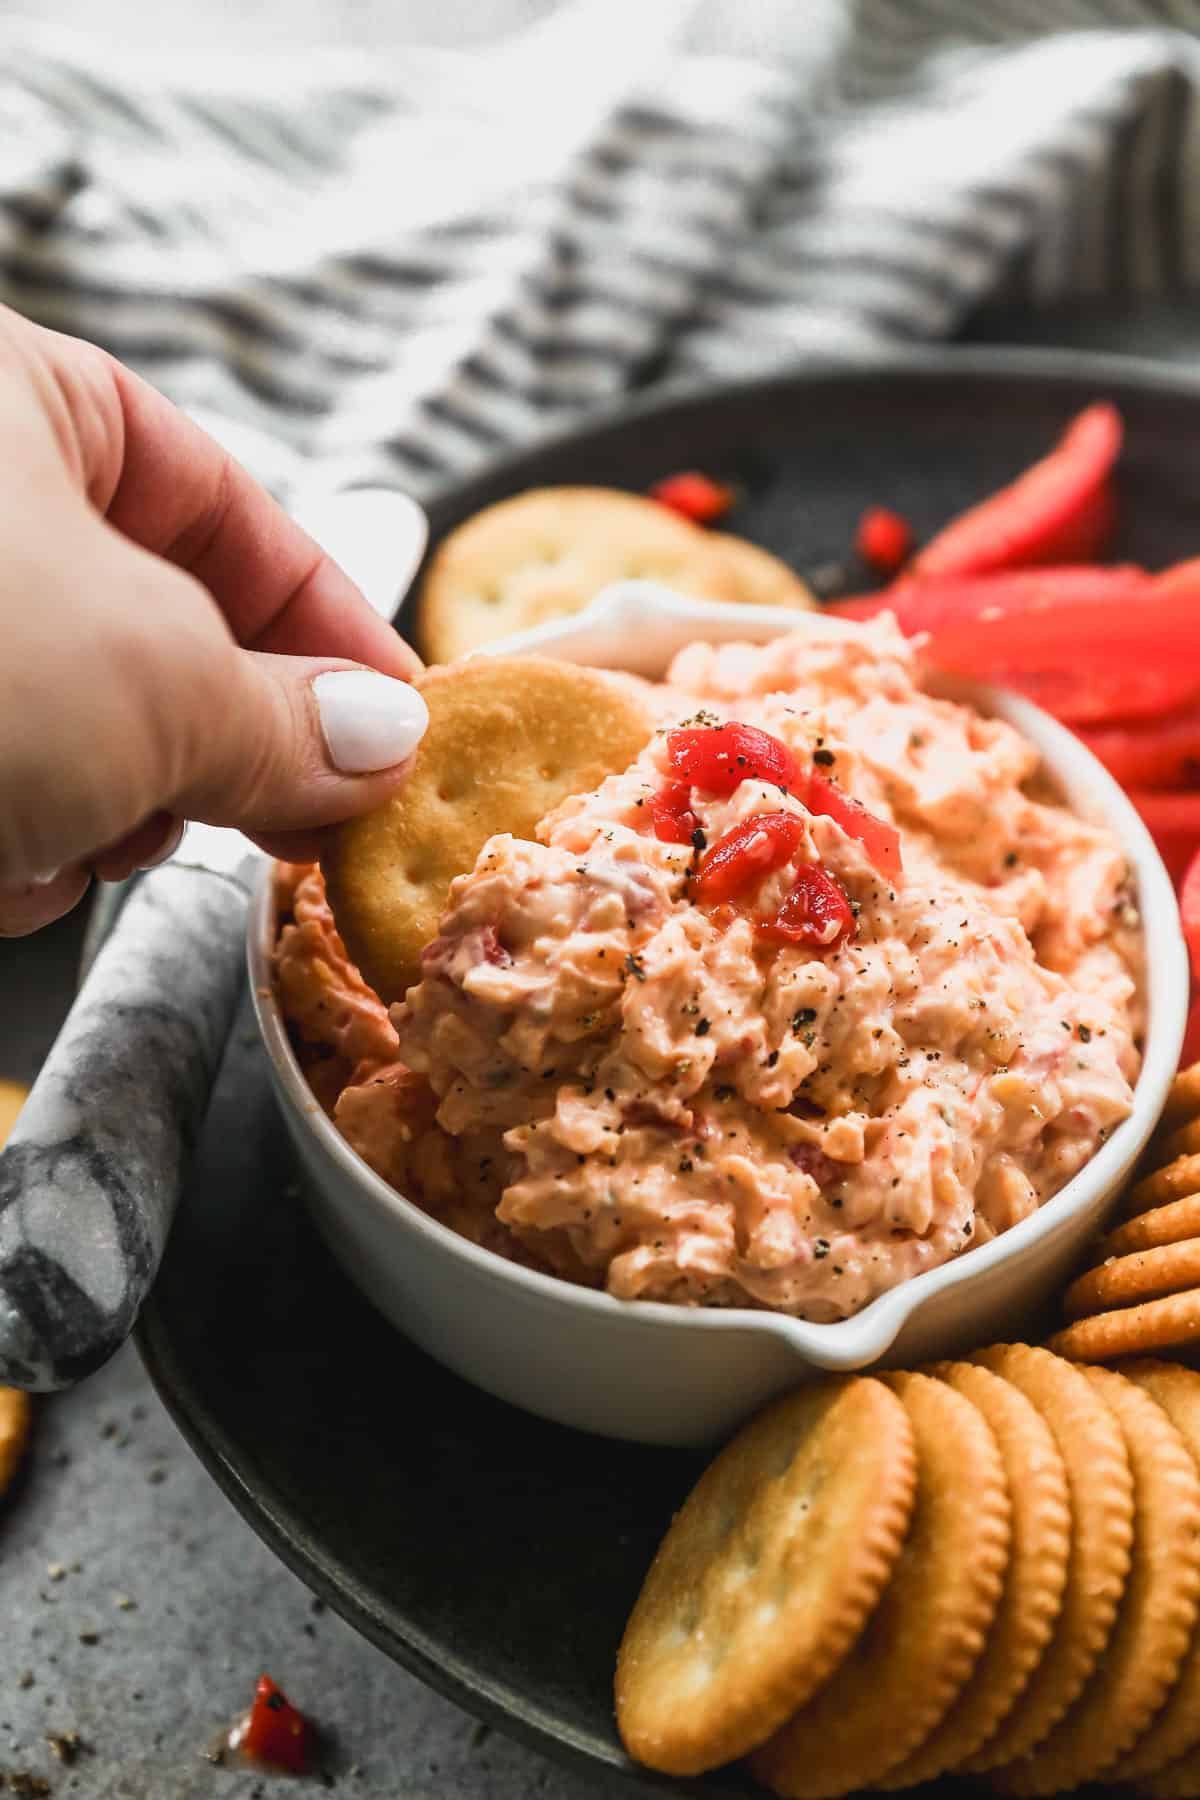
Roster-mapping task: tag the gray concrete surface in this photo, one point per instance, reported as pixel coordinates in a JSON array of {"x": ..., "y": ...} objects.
[{"x": 138, "y": 1611}]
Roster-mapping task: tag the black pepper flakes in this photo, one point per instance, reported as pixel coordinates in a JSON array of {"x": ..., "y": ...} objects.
[
  {"x": 703, "y": 1027},
  {"x": 826, "y": 758},
  {"x": 634, "y": 967}
]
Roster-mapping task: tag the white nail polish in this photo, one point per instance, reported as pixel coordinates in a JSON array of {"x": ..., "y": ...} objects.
[
  {"x": 369, "y": 721},
  {"x": 167, "y": 849}
]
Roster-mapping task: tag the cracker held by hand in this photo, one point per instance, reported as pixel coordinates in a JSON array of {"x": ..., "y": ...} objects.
[
  {"x": 766, "y": 1576},
  {"x": 927, "y": 1633},
  {"x": 1158, "y": 1608},
  {"x": 546, "y": 553},
  {"x": 1175, "y": 1731},
  {"x": 1033, "y": 1585},
  {"x": 1100, "y": 1481},
  {"x": 508, "y": 739}
]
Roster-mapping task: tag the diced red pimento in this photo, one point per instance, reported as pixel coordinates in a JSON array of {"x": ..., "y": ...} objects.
[
  {"x": 694, "y": 496},
  {"x": 275, "y": 1733},
  {"x": 816, "y": 913},
  {"x": 880, "y": 840},
  {"x": 746, "y": 854},
  {"x": 883, "y": 539},
  {"x": 671, "y": 813},
  {"x": 813, "y": 1161},
  {"x": 718, "y": 758},
  {"x": 1060, "y": 510}
]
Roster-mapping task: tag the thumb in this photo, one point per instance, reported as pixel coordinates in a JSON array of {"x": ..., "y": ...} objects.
[{"x": 298, "y": 742}]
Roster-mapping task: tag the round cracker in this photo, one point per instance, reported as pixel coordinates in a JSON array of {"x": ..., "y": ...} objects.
[
  {"x": 757, "y": 577},
  {"x": 1033, "y": 1586},
  {"x": 1126, "y": 1280},
  {"x": 545, "y": 554},
  {"x": 1165, "y": 1324},
  {"x": 1170, "y": 1224},
  {"x": 1175, "y": 1732},
  {"x": 1178, "y": 1179},
  {"x": 1157, "y": 1613},
  {"x": 926, "y": 1635},
  {"x": 16, "y": 1416},
  {"x": 1183, "y": 1097},
  {"x": 1100, "y": 1482},
  {"x": 1184, "y": 1141},
  {"x": 508, "y": 739},
  {"x": 766, "y": 1576},
  {"x": 1180, "y": 1782}
]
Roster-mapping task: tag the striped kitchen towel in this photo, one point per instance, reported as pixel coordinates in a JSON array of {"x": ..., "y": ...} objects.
[{"x": 390, "y": 269}]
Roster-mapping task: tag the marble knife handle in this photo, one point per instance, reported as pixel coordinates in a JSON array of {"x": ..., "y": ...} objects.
[{"x": 92, "y": 1172}]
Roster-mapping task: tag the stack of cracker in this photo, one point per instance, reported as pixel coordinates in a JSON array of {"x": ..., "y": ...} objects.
[
  {"x": 989, "y": 1568},
  {"x": 1142, "y": 1290}
]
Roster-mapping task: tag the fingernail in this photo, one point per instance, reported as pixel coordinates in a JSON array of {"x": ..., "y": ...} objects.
[
  {"x": 167, "y": 848},
  {"x": 369, "y": 721}
]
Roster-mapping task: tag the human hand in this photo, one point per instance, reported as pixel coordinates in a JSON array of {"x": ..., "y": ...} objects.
[{"x": 173, "y": 646}]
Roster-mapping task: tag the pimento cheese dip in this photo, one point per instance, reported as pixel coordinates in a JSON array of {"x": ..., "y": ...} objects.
[{"x": 820, "y": 993}]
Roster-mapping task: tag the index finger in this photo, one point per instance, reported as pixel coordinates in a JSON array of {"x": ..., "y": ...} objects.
[{"x": 182, "y": 496}]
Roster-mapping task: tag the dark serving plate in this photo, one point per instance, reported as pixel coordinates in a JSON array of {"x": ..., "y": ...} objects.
[{"x": 491, "y": 1553}]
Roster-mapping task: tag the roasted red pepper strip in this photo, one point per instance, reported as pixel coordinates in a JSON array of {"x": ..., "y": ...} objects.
[
  {"x": 1060, "y": 510},
  {"x": 694, "y": 496},
  {"x": 718, "y": 758},
  {"x": 276, "y": 1734},
  {"x": 1158, "y": 753},
  {"x": 1189, "y": 912},
  {"x": 671, "y": 813},
  {"x": 746, "y": 854},
  {"x": 1078, "y": 629},
  {"x": 880, "y": 840},
  {"x": 883, "y": 539},
  {"x": 1191, "y": 1037},
  {"x": 816, "y": 913},
  {"x": 934, "y": 603},
  {"x": 1173, "y": 821}
]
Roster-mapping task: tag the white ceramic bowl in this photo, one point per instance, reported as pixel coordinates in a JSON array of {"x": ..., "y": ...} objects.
[{"x": 671, "y": 1375}]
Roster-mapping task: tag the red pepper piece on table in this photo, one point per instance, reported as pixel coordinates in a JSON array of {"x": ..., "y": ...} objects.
[
  {"x": 718, "y": 758},
  {"x": 880, "y": 840},
  {"x": 883, "y": 539},
  {"x": 1060, "y": 510},
  {"x": 276, "y": 1734},
  {"x": 816, "y": 913},
  {"x": 746, "y": 854},
  {"x": 671, "y": 814},
  {"x": 694, "y": 496}
]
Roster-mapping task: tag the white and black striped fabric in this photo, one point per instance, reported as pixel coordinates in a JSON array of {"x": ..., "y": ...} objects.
[{"x": 352, "y": 269}]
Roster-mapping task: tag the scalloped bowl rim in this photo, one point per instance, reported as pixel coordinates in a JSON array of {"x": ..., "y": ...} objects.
[{"x": 867, "y": 1335}]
